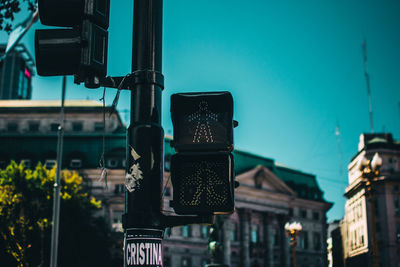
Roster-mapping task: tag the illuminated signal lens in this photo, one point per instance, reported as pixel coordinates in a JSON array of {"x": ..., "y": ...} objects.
[
  {"x": 203, "y": 183},
  {"x": 202, "y": 121}
]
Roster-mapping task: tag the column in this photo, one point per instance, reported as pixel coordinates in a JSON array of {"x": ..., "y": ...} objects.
[
  {"x": 226, "y": 239},
  {"x": 244, "y": 217},
  {"x": 268, "y": 240},
  {"x": 284, "y": 249}
]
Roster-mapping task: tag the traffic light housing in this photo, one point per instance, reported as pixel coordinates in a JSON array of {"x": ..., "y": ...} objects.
[
  {"x": 82, "y": 48},
  {"x": 202, "y": 183},
  {"x": 202, "y": 170},
  {"x": 202, "y": 121}
]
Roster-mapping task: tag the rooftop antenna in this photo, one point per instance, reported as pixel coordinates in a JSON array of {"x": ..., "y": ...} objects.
[
  {"x": 339, "y": 142},
  {"x": 364, "y": 46}
]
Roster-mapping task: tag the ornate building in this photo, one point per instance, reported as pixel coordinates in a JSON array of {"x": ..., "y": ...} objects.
[
  {"x": 269, "y": 194},
  {"x": 356, "y": 227}
]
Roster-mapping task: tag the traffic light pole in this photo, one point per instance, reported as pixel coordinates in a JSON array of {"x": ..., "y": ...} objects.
[
  {"x": 143, "y": 230},
  {"x": 145, "y": 139}
]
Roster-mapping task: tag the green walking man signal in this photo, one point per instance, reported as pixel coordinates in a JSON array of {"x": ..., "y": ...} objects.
[{"x": 202, "y": 171}]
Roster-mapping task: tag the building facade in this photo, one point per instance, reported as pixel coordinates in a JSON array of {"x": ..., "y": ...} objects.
[
  {"x": 356, "y": 226},
  {"x": 269, "y": 194},
  {"x": 16, "y": 72}
]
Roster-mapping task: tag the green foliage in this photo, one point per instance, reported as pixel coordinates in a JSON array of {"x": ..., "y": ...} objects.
[
  {"x": 8, "y": 8},
  {"x": 26, "y": 199}
]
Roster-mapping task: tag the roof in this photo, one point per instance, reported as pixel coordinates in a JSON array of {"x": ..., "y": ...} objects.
[
  {"x": 292, "y": 175},
  {"x": 48, "y": 103},
  {"x": 245, "y": 161},
  {"x": 377, "y": 141},
  {"x": 304, "y": 184}
]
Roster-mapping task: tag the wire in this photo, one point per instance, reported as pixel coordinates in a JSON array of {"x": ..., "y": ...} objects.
[
  {"x": 116, "y": 98},
  {"x": 166, "y": 185},
  {"x": 104, "y": 171}
]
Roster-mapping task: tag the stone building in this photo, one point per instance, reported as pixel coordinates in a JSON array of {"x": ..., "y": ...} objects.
[
  {"x": 356, "y": 226},
  {"x": 269, "y": 195}
]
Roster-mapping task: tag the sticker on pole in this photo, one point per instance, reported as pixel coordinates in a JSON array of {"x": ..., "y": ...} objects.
[{"x": 143, "y": 247}]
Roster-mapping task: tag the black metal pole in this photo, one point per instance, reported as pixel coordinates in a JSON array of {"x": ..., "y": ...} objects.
[
  {"x": 143, "y": 220},
  {"x": 145, "y": 140},
  {"x": 145, "y": 133}
]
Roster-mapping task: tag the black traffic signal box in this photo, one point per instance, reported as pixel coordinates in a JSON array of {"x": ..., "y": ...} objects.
[
  {"x": 202, "y": 170},
  {"x": 80, "y": 49}
]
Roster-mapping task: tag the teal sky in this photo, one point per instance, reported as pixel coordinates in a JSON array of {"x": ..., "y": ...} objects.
[{"x": 295, "y": 69}]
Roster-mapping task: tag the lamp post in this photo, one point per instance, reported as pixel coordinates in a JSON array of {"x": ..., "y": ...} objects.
[
  {"x": 370, "y": 170},
  {"x": 293, "y": 229}
]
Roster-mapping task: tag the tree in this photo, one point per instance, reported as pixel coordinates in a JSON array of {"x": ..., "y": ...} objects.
[
  {"x": 8, "y": 8},
  {"x": 26, "y": 198}
]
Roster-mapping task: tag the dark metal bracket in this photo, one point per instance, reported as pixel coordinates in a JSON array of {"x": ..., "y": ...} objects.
[{"x": 137, "y": 77}]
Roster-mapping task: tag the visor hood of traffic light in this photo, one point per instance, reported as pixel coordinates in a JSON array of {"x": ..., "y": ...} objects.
[
  {"x": 69, "y": 13},
  {"x": 57, "y": 51}
]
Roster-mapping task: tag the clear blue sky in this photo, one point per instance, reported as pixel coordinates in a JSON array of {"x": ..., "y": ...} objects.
[{"x": 295, "y": 69}]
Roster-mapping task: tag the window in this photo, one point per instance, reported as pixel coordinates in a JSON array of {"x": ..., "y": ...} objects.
[
  {"x": 378, "y": 231},
  {"x": 54, "y": 127},
  {"x": 33, "y": 126},
  {"x": 303, "y": 213},
  {"x": 258, "y": 182},
  {"x": 77, "y": 126},
  {"x": 12, "y": 127},
  {"x": 276, "y": 238},
  {"x": 167, "y": 231},
  {"x": 185, "y": 231},
  {"x": 117, "y": 216},
  {"x": 50, "y": 163},
  {"x": 117, "y": 221},
  {"x": 317, "y": 241},
  {"x": 204, "y": 262},
  {"x": 112, "y": 163},
  {"x": 75, "y": 163},
  {"x": 167, "y": 261},
  {"x": 119, "y": 189},
  {"x": 98, "y": 126},
  {"x": 234, "y": 233},
  {"x": 396, "y": 206},
  {"x": 186, "y": 262},
  {"x": 290, "y": 212},
  {"x": 204, "y": 231},
  {"x": 254, "y": 233},
  {"x": 316, "y": 215},
  {"x": 304, "y": 240},
  {"x": 3, "y": 164},
  {"x": 167, "y": 191},
  {"x": 167, "y": 163},
  {"x": 27, "y": 163}
]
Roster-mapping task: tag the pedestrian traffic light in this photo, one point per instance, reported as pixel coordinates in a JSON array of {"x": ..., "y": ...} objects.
[
  {"x": 80, "y": 49},
  {"x": 202, "y": 121},
  {"x": 202, "y": 171},
  {"x": 202, "y": 183}
]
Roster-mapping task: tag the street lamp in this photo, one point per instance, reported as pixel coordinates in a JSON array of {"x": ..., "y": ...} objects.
[
  {"x": 370, "y": 170},
  {"x": 293, "y": 229}
]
